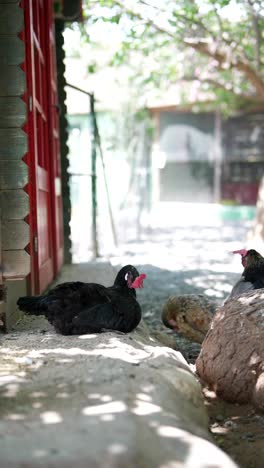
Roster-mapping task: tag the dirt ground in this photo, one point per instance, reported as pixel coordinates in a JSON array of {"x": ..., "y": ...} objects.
[
  {"x": 237, "y": 429},
  {"x": 198, "y": 260}
]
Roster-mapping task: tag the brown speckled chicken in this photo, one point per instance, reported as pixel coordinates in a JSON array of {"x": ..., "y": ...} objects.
[{"x": 189, "y": 314}]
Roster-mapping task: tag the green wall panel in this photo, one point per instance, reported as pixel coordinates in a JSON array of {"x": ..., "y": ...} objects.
[
  {"x": 15, "y": 234},
  {"x": 13, "y": 112},
  {"x": 13, "y": 174},
  {"x": 14, "y": 204},
  {"x": 12, "y": 50},
  {"x": 11, "y": 18},
  {"x": 13, "y": 143},
  {"x": 12, "y": 81}
]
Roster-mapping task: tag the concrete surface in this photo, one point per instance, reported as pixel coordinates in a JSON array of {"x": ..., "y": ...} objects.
[{"x": 100, "y": 401}]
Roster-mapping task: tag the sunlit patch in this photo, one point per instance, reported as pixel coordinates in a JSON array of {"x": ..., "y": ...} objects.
[
  {"x": 213, "y": 293},
  {"x": 210, "y": 393},
  {"x": 50, "y": 417},
  {"x": 219, "y": 429},
  {"x": 24, "y": 360},
  {"x": 95, "y": 396},
  {"x": 34, "y": 353},
  {"x": 153, "y": 424},
  {"x": 62, "y": 395},
  {"x": 170, "y": 431},
  {"x": 11, "y": 390},
  {"x": 107, "y": 417},
  {"x": 64, "y": 360},
  {"x": 38, "y": 394},
  {"x": 39, "y": 453},
  {"x": 4, "y": 379},
  {"x": 15, "y": 417},
  {"x": 143, "y": 408},
  {"x": 9, "y": 351},
  {"x": 106, "y": 398},
  {"x": 113, "y": 407},
  {"x": 148, "y": 388},
  {"x": 117, "y": 449},
  {"x": 254, "y": 359},
  {"x": 143, "y": 396},
  {"x": 249, "y": 300},
  {"x": 37, "y": 405},
  {"x": 87, "y": 337}
]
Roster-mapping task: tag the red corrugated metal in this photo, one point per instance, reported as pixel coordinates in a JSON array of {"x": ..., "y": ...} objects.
[{"x": 43, "y": 158}]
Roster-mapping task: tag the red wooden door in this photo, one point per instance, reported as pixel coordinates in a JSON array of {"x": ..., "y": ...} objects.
[
  {"x": 55, "y": 146},
  {"x": 46, "y": 244}
]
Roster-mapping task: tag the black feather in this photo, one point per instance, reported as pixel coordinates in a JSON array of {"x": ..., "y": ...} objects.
[
  {"x": 254, "y": 269},
  {"x": 79, "y": 308},
  {"x": 252, "y": 276}
]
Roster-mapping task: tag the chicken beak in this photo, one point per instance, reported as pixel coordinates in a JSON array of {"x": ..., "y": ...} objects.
[{"x": 242, "y": 252}]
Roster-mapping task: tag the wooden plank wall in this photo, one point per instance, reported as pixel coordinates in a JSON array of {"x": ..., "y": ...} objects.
[{"x": 15, "y": 235}]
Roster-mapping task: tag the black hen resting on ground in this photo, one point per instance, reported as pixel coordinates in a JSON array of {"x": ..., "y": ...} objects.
[
  {"x": 253, "y": 274},
  {"x": 77, "y": 308}
]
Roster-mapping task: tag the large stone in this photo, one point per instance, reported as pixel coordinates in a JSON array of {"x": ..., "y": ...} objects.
[
  {"x": 101, "y": 401},
  {"x": 232, "y": 355}
]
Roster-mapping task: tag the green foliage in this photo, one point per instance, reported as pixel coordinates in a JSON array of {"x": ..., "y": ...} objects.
[
  {"x": 218, "y": 43},
  {"x": 92, "y": 68}
]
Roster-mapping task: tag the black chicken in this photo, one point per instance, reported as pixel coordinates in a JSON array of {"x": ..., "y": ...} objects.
[
  {"x": 77, "y": 308},
  {"x": 253, "y": 274}
]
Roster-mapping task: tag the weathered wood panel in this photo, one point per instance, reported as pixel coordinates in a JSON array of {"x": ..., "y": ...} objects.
[
  {"x": 13, "y": 112},
  {"x": 11, "y": 18},
  {"x": 15, "y": 288},
  {"x": 13, "y": 174},
  {"x": 14, "y": 203},
  {"x": 15, "y": 234},
  {"x": 12, "y": 81},
  {"x": 12, "y": 50},
  {"x": 1, "y": 263},
  {"x": 13, "y": 143},
  {"x": 17, "y": 263},
  {"x": 2, "y": 314}
]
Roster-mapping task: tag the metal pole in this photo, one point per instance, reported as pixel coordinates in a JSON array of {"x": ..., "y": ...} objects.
[
  {"x": 98, "y": 141},
  {"x": 93, "y": 178}
]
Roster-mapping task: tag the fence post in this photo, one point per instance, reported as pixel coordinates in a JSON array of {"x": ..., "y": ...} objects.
[{"x": 93, "y": 178}]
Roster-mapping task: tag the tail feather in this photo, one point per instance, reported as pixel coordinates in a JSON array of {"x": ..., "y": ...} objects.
[{"x": 32, "y": 305}]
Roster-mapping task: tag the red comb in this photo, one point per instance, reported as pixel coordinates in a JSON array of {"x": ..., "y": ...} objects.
[
  {"x": 242, "y": 252},
  {"x": 138, "y": 283}
]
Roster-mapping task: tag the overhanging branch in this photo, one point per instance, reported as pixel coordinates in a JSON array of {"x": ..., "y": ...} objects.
[{"x": 208, "y": 49}]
